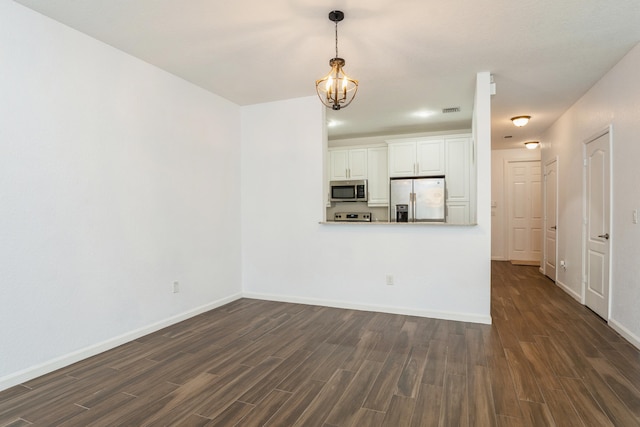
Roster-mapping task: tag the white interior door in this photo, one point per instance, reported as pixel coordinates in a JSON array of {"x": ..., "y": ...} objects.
[
  {"x": 550, "y": 219},
  {"x": 525, "y": 211},
  {"x": 597, "y": 246}
]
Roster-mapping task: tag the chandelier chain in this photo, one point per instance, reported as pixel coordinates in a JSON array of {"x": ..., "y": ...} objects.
[{"x": 336, "y": 22}]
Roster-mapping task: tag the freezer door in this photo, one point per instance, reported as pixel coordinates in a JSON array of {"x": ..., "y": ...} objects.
[
  {"x": 399, "y": 194},
  {"x": 429, "y": 199}
]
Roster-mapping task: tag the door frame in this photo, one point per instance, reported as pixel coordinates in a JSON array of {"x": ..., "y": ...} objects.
[
  {"x": 604, "y": 131},
  {"x": 543, "y": 264}
]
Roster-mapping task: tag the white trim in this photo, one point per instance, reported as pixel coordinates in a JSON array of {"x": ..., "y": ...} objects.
[
  {"x": 573, "y": 294},
  {"x": 460, "y": 317},
  {"x": 627, "y": 334},
  {"x": 84, "y": 353}
]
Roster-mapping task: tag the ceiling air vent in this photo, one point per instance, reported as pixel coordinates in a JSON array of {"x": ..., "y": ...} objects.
[{"x": 450, "y": 110}]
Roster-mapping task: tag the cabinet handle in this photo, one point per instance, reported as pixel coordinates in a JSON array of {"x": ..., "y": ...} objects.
[
  {"x": 418, "y": 168},
  {"x": 604, "y": 236},
  {"x": 349, "y": 172}
]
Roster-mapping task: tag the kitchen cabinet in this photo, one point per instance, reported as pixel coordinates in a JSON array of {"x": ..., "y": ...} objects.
[
  {"x": 378, "y": 176},
  {"x": 458, "y": 213},
  {"x": 430, "y": 157},
  {"x": 458, "y": 169},
  {"x": 347, "y": 164},
  {"x": 448, "y": 155},
  {"x": 422, "y": 157}
]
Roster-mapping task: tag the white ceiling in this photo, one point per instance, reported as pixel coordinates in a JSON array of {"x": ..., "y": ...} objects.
[{"x": 415, "y": 55}]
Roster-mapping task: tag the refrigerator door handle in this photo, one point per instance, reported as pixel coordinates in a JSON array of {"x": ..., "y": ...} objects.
[{"x": 412, "y": 198}]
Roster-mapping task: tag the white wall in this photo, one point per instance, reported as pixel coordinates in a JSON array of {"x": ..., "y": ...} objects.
[
  {"x": 499, "y": 220},
  {"x": 116, "y": 179},
  {"x": 615, "y": 101},
  {"x": 439, "y": 271}
]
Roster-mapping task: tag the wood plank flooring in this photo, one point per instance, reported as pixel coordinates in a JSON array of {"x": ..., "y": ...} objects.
[{"x": 545, "y": 361}]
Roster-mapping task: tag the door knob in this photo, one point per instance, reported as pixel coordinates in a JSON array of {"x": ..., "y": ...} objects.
[
  {"x": 604, "y": 236},
  {"x": 554, "y": 228}
]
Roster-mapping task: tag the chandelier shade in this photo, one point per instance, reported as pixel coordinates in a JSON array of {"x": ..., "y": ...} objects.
[{"x": 336, "y": 90}]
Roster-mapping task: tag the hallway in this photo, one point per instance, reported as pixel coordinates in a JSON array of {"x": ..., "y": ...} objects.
[{"x": 563, "y": 360}]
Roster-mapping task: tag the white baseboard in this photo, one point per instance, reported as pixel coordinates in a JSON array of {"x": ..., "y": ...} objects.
[
  {"x": 627, "y": 334},
  {"x": 68, "y": 359},
  {"x": 461, "y": 317},
  {"x": 570, "y": 291}
]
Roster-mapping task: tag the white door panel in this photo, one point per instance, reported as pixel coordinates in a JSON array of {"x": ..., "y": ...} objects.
[
  {"x": 524, "y": 211},
  {"x": 550, "y": 211},
  {"x": 598, "y": 226}
]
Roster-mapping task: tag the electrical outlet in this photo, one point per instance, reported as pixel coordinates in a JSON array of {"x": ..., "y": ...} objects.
[
  {"x": 634, "y": 216},
  {"x": 389, "y": 280},
  {"x": 176, "y": 287}
]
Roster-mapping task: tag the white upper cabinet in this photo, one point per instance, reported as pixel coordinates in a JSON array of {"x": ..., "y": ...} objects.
[
  {"x": 416, "y": 158},
  {"x": 458, "y": 168},
  {"x": 430, "y": 157},
  {"x": 378, "y": 176},
  {"x": 348, "y": 164},
  {"x": 402, "y": 159}
]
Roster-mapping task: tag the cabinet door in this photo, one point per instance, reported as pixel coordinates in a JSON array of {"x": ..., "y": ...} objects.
[
  {"x": 402, "y": 159},
  {"x": 357, "y": 168},
  {"x": 338, "y": 164},
  {"x": 458, "y": 213},
  {"x": 430, "y": 157},
  {"x": 378, "y": 176},
  {"x": 457, "y": 170}
]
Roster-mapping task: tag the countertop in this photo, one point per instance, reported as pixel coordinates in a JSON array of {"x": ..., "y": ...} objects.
[{"x": 395, "y": 224}]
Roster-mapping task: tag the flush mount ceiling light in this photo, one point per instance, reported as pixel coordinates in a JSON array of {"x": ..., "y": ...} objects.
[
  {"x": 336, "y": 90},
  {"x": 532, "y": 145},
  {"x": 520, "y": 120}
]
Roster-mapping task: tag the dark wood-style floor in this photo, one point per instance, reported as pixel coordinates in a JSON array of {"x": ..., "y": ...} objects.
[{"x": 545, "y": 361}]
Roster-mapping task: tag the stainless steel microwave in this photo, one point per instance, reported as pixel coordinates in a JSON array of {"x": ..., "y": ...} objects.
[{"x": 348, "y": 191}]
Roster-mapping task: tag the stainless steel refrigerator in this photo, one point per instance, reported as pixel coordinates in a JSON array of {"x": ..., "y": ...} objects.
[{"x": 417, "y": 199}]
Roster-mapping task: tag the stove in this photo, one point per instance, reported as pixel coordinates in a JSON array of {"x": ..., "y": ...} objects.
[{"x": 352, "y": 216}]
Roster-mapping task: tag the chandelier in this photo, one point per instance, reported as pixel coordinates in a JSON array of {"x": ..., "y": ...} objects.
[{"x": 336, "y": 90}]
